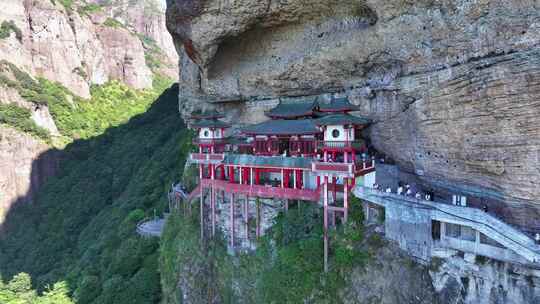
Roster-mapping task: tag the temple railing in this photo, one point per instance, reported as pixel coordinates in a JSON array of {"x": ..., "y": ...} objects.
[
  {"x": 302, "y": 147},
  {"x": 210, "y": 141},
  {"x": 206, "y": 158},
  {"x": 351, "y": 144},
  {"x": 265, "y": 191},
  {"x": 333, "y": 169}
]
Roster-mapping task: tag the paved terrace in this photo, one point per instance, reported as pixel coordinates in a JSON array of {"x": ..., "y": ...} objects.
[{"x": 518, "y": 242}]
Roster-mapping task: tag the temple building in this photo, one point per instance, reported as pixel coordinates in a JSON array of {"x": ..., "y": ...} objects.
[
  {"x": 308, "y": 151},
  {"x": 313, "y": 151}
]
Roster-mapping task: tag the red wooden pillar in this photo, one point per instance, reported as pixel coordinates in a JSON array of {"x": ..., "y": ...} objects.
[
  {"x": 223, "y": 172},
  {"x": 257, "y": 176},
  {"x": 287, "y": 178},
  {"x": 325, "y": 223},
  {"x": 213, "y": 207},
  {"x": 318, "y": 181},
  {"x": 247, "y": 176},
  {"x": 231, "y": 174},
  {"x": 345, "y": 199},
  {"x": 299, "y": 181},
  {"x": 232, "y": 221},
  {"x": 334, "y": 183}
]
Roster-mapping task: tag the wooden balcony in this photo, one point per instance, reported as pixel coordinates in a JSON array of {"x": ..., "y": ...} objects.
[
  {"x": 303, "y": 147},
  {"x": 333, "y": 169},
  {"x": 356, "y": 145},
  {"x": 206, "y": 158},
  {"x": 219, "y": 145},
  {"x": 265, "y": 191}
]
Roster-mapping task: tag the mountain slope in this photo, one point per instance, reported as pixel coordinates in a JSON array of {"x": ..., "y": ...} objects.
[
  {"x": 80, "y": 44},
  {"x": 81, "y": 228}
]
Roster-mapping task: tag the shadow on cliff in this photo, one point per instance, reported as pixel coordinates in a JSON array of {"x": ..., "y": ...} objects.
[{"x": 79, "y": 226}]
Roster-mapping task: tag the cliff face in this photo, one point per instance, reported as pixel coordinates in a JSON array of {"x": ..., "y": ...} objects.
[
  {"x": 453, "y": 86},
  {"x": 25, "y": 165},
  {"x": 77, "y": 46}
]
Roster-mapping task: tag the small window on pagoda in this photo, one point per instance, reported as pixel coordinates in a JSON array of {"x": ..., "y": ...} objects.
[
  {"x": 335, "y": 133},
  {"x": 206, "y": 133}
]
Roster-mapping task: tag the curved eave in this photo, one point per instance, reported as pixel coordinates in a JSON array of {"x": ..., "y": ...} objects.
[
  {"x": 281, "y": 116},
  {"x": 194, "y": 116},
  {"x": 279, "y": 134}
]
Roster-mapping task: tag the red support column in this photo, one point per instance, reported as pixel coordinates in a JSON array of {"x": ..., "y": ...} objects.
[
  {"x": 298, "y": 179},
  {"x": 257, "y": 176},
  {"x": 222, "y": 172},
  {"x": 202, "y": 214},
  {"x": 246, "y": 217},
  {"x": 213, "y": 207},
  {"x": 334, "y": 183},
  {"x": 258, "y": 218},
  {"x": 325, "y": 223},
  {"x": 346, "y": 199},
  {"x": 318, "y": 181},
  {"x": 248, "y": 177},
  {"x": 232, "y": 221},
  {"x": 231, "y": 174},
  {"x": 287, "y": 178}
]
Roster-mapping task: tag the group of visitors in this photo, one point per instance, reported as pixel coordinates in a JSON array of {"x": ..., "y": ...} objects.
[{"x": 406, "y": 190}]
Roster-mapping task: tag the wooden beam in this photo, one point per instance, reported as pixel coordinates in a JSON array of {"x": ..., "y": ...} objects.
[
  {"x": 232, "y": 221},
  {"x": 325, "y": 222}
]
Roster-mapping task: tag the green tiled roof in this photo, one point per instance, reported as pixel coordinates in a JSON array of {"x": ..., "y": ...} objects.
[
  {"x": 341, "y": 119},
  {"x": 337, "y": 105},
  {"x": 292, "y": 109},
  {"x": 268, "y": 161},
  {"x": 239, "y": 141},
  {"x": 283, "y": 127},
  {"x": 206, "y": 114},
  {"x": 210, "y": 123}
]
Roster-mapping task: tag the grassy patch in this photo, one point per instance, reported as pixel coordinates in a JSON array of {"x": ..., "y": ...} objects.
[
  {"x": 89, "y": 9},
  {"x": 8, "y": 27},
  {"x": 20, "y": 119},
  {"x": 111, "y": 22}
]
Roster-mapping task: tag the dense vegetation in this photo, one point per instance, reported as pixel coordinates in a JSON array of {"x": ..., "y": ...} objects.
[
  {"x": 286, "y": 268},
  {"x": 19, "y": 291},
  {"x": 20, "y": 119},
  {"x": 81, "y": 228},
  {"x": 111, "y": 104},
  {"x": 8, "y": 27}
]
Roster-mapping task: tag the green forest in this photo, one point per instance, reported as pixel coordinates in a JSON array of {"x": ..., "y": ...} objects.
[{"x": 79, "y": 235}]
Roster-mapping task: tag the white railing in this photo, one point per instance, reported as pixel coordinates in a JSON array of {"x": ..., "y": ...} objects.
[{"x": 484, "y": 222}]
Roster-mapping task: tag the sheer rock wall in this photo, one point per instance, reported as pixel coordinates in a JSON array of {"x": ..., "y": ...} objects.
[{"x": 453, "y": 86}]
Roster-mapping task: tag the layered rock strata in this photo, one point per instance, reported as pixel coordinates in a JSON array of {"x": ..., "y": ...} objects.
[{"x": 452, "y": 86}]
